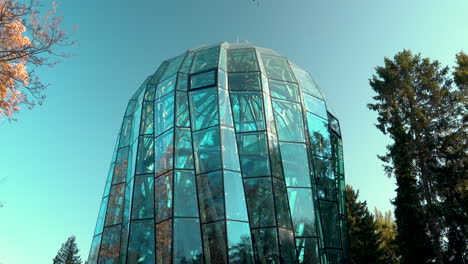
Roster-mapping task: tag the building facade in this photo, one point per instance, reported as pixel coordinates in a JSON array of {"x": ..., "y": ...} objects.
[{"x": 227, "y": 154}]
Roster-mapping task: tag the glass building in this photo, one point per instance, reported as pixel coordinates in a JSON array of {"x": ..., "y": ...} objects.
[{"x": 227, "y": 154}]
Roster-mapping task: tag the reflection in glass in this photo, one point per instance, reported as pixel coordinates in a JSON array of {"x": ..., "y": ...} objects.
[
  {"x": 203, "y": 80},
  {"x": 319, "y": 135},
  {"x": 287, "y": 246},
  {"x": 101, "y": 216},
  {"x": 242, "y": 60},
  {"x": 182, "y": 110},
  {"x": 211, "y": 196},
  {"x": 145, "y": 157},
  {"x": 165, "y": 87},
  {"x": 163, "y": 196},
  {"x": 253, "y": 153},
  {"x": 249, "y": 81},
  {"x": 205, "y": 59},
  {"x": 204, "y": 108},
  {"x": 185, "y": 194},
  {"x": 143, "y": 197},
  {"x": 115, "y": 205},
  {"x": 277, "y": 68},
  {"x": 187, "y": 241},
  {"x": 93, "y": 253},
  {"x": 126, "y": 131},
  {"x": 260, "y": 203},
  {"x": 164, "y": 155},
  {"x": 284, "y": 90},
  {"x": 239, "y": 242},
  {"x": 164, "y": 117},
  {"x": 214, "y": 240},
  {"x": 281, "y": 203},
  {"x": 307, "y": 249},
  {"x": 147, "y": 118},
  {"x": 234, "y": 195},
  {"x": 266, "y": 245},
  {"x": 109, "y": 252},
  {"x": 121, "y": 164},
  {"x": 207, "y": 150},
  {"x": 173, "y": 66},
  {"x": 295, "y": 164},
  {"x": 183, "y": 154},
  {"x": 330, "y": 225},
  {"x": 229, "y": 149},
  {"x": 315, "y": 106},
  {"x": 302, "y": 211},
  {"x": 225, "y": 114},
  {"x": 248, "y": 111},
  {"x": 288, "y": 117},
  {"x": 163, "y": 242},
  {"x": 141, "y": 242}
]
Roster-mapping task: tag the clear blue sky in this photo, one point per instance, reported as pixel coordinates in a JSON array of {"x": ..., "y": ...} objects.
[{"x": 56, "y": 156}]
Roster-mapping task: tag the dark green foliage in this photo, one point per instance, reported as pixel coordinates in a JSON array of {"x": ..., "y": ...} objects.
[
  {"x": 424, "y": 113},
  {"x": 386, "y": 228},
  {"x": 68, "y": 253},
  {"x": 363, "y": 236}
]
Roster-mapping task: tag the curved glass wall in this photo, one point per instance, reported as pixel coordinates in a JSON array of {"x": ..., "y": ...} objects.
[{"x": 226, "y": 154}]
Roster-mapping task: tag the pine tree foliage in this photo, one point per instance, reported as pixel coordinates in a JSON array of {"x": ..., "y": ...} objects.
[
  {"x": 386, "y": 228},
  {"x": 68, "y": 253},
  {"x": 422, "y": 107}
]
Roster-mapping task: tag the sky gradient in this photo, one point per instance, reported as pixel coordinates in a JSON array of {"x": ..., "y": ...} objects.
[{"x": 56, "y": 157}]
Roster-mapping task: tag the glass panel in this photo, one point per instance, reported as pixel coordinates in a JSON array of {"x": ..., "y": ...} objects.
[
  {"x": 229, "y": 149},
  {"x": 110, "y": 245},
  {"x": 182, "y": 110},
  {"x": 277, "y": 68},
  {"x": 315, "y": 105},
  {"x": 253, "y": 154},
  {"x": 330, "y": 225},
  {"x": 239, "y": 242},
  {"x": 241, "y": 60},
  {"x": 225, "y": 108},
  {"x": 260, "y": 202},
  {"x": 136, "y": 123},
  {"x": 266, "y": 245},
  {"x": 130, "y": 108},
  {"x": 334, "y": 124},
  {"x": 128, "y": 201},
  {"x": 93, "y": 253},
  {"x": 173, "y": 66},
  {"x": 235, "y": 197},
  {"x": 302, "y": 211},
  {"x": 183, "y": 154},
  {"x": 276, "y": 164},
  {"x": 334, "y": 256},
  {"x": 270, "y": 120},
  {"x": 150, "y": 92},
  {"x": 222, "y": 58},
  {"x": 138, "y": 95},
  {"x": 295, "y": 164},
  {"x": 143, "y": 197},
  {"x": 163, "y": 197},
  {"x": 247, "y": 109},
  {"x": 187, "y": 241},
  {"x": 120, "y": 169},
  {"x": 165, "y": 152},
  {"x": 211, "y": 196},
  {"x": 244, "y": 81},
  {"x": 287, "y": 246},
  {"x": 164, "y": 114},
  {"x": 132, "y": 160},
  {"x": 207, "y": 150},
  {"x": 182, "y": 82},
  {"x": 326, "y": 183},
  {"x": 288, "y": 117},
  {"x": 203, "y": 80},
  {"x": 306, "y": 82},
  {"x": 163, "y": 242},
  {"x": 101, "y": 216},
  {"x": 187, "y": 62},
  {"x": 281, "y": 203},
  {"x": 145, "y": 159},
  {"x": 141, "y": 246},
  {"x": 214, "y": 240},
  {"x": 157, "y": 75},
  {"x": 222, "y": 79},
  {"x": 165, "y": 87},
  {"x": 147, "y": 118},
  {"x": 344, "y": 237},
  {"x": 338, "y": 165},
  {"x": 319, "y": 135},
  {"x": 115, "y": 205},
  {"x": 123, "y": 244},
  {"x": 204, "y": 108},
  {"x": 185, "y": 194},
  {"x": 126, "y": 131},
  {"x": 307, "y": 249},
  {"x": 284, "y": 90},
  {"x": 205, "y": 59},
  {"x": 109, "y": 177}
]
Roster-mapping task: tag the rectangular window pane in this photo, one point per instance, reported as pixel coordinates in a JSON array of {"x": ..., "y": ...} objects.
[
  {"x": 284, "y": 90},
  {"x": 207, "y": 150},
  {"x": 204, "y": 108},
  {"x": 164, "y": 117},
  {"x": 242, "y": 60},
  {"x": 128, "y": 201},
  {"x": 126, "y": 131},
  {"x": 115, "y": 205},
  {"x": 229, "y": 149},
  {"x": 173, "y": 66},
  {"x": 141, "y": 244},
  {"x": 211, "y": 196},
  {"x": 94, "y": 251},
  {"x": 185, "y": 194},
  {"x": 143, "y": 197},
  {"x": 253, "y": 153},
  {"x": 203, "y": 80},
  {"x": 307, "y": 249},
  {"x": 149, "y": 93},
  {"x": 247, "y": 108},
  {"x": 302, "y": 211},
  {"x": 249, "y": 81},
  {"x": 101, "y": 216},
  {"x": 214, "y": 240},
  {"x": 287, "y": 246},
  {"x": 225, "y": 108},
  {"x": 145, "y": 157},
  {"x": 295, "y": 164},
  {"x": 330, "y": 225},
  {"x": 147, "y": 118},
  {"x": 306, "y": 82},
  {"x": 260, "y": 203},
  {"x": 205, "y": 59},
  {"x": 288, "y": 118},
  {"x": 240, "y": 243},
  {"x": 163, "y": 197},
  {"x": 110, "y": 245},
  {"x": 123, "y": 244},
  {"x": 266, "y": 245},
  {"x": 319, "y": 135},
  {"x": 164, "y": 242},
  {"x": 277, "y": 68},
  {"x": 281, "y": 203},
  {"x": 182, "y": 110},
  {"x": 121, "y": 164},
  {"x": 326, "y": 183},
  {"x": 187, "y": 241},
  {"x": 234, "y": 195},
  {"x": 185, "y": 67},
  {"x": 165, "y": 152},
  {"x": 165, "y": 87},
  {"x": 183, "y": 154},
  {"x": 276, "y": 164},
  {"x": 315, "y": 106}
]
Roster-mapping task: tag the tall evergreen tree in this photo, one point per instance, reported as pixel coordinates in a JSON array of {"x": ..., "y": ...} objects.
[
  {"x": 363, "y": 235},
  {"x": 422, "y": 111},
  {"x": 386, "y": 228},
  {"x": 68, "y": 253}
]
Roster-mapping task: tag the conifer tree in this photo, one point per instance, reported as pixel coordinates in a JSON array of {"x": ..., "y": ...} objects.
[
  {"x": 68, "y": 253},
  {"x": 386, "y": 228}
]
